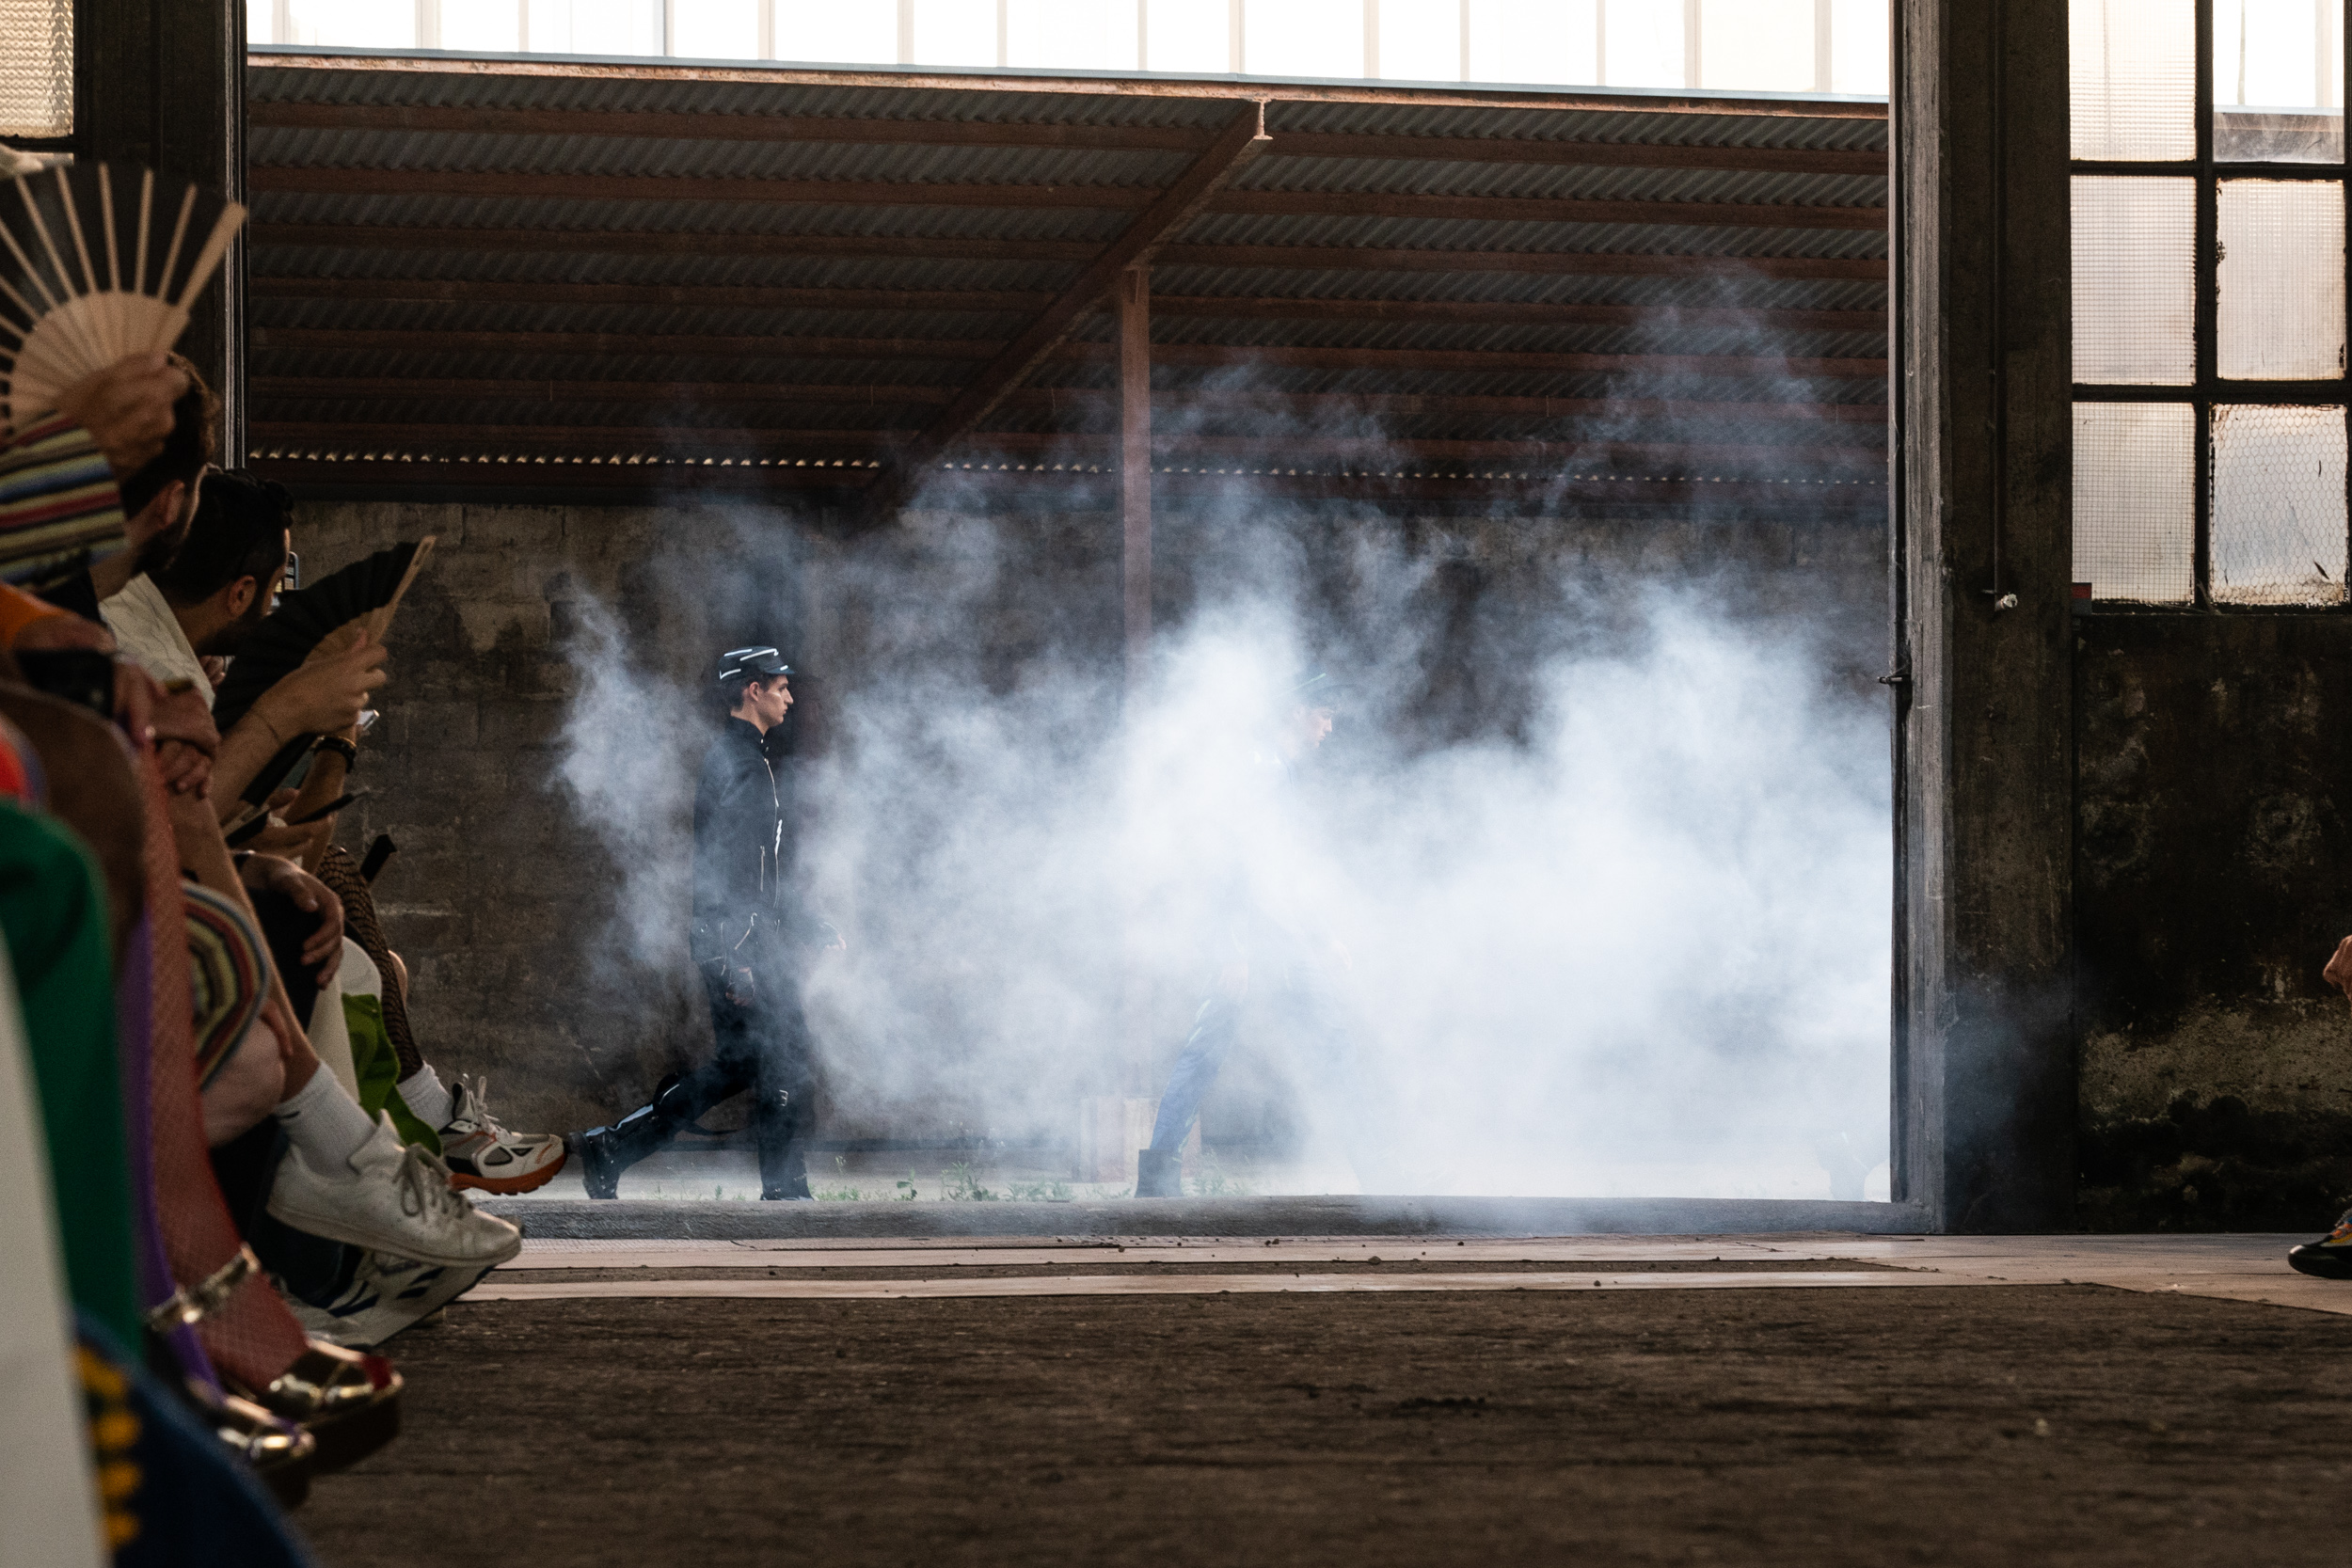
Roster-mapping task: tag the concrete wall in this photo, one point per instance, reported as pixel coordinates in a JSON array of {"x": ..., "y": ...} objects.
[
  {"x": 500, "y": 894},
  {"x": 2214, "y": 755}
]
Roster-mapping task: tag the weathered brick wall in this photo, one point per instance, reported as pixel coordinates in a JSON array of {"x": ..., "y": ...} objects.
[
  {"x": 2214, "y": 757},
  {"x": 503, "y": 897}
]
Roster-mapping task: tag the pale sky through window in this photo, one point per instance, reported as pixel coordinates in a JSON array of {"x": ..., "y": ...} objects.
[{"x": 1741, "y": 45}]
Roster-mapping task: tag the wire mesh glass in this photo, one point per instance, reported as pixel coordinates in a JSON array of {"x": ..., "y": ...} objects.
[
  {"x": 2277, "y": 81},
  {"x": 2136, "y": 501},
  {"x": 2135, "y": 279},
  {"x": 2279, "y": 524},
  {"x": 2281, "y": 279},
  {"x": 2133, "y": 65},
  {"x": 36, "y": 68}
]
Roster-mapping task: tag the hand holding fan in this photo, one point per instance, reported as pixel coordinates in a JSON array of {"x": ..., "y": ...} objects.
[
  {"x": 321, "y": 620},
  {"x": 97, "y": 263}
]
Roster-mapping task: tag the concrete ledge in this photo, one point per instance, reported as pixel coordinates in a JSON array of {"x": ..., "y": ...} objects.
[{"x": 629, "y": 1219}]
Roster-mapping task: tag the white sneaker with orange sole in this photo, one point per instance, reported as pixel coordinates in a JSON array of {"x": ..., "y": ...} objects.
[{"x": 484, "y": 1153}]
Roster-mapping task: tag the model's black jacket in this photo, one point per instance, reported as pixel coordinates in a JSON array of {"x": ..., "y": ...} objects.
[{"x": 743, "y": 844}]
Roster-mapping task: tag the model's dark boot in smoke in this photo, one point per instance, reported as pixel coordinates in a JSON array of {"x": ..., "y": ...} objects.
[
  {"x": 1159, "y": 1173},
  {"x": 783, "y": 1161},
  {"x": 605, "y": 1152}
]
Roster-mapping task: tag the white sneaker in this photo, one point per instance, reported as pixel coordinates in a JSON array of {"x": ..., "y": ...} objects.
[
  {"x": 483, "y": 1152},
  {"x": 384, "y": 1295},
  {"x": 390, "y": 1198}
]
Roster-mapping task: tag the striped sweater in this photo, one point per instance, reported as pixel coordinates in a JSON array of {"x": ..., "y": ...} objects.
[{"x": 59, "y": 506}]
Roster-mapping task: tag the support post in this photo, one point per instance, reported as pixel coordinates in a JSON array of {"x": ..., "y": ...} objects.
[
  {"x": 161, "y": 83},
  {"x": 1984, "y": 1059},
  {"x": 1134, "y": 462}
]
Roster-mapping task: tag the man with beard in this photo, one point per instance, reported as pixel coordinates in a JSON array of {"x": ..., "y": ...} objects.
[
  {"x": 750, "y": 938},
  {"x": 158, "y": 500},
  {"x": 206, "y": 601}
]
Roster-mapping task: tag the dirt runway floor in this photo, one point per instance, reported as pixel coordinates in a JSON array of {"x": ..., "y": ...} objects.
[{"x": 2059, "y": 1425}]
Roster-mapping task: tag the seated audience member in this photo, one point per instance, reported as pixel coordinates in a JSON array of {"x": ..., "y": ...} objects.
[
  {"x": 2330, "y": 1257},
  {"x": 158, "y": 500},
  {"x": 217, "y": 587}
]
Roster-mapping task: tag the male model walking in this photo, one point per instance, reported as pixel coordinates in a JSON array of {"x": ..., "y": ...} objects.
[{"x": 750, "y": 939}]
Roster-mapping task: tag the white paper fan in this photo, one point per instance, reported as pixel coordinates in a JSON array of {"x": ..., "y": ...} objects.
[{"x": 97, "y": 263}]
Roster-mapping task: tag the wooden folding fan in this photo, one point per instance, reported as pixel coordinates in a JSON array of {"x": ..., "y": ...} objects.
[
  {"x": 317, "y": 621},
  {"x": 98, "y": 262}
]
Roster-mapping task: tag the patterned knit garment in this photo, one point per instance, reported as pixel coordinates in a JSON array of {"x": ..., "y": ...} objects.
[{"x": 252, "y": 1337}]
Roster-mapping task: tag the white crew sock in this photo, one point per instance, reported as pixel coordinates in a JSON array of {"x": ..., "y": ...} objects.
[
  {"x": 326, "y": 1123},
  {"x": 423, "y": 1092}
]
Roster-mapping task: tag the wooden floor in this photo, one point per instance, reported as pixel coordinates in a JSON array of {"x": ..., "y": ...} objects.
[{"x": 1776, "y": 1409}]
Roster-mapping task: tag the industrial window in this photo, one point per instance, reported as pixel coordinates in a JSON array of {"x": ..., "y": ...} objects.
[
  {"x": 1798, "y": 46},
  {"x": 36, "y": 70},
  {"x": 2209, "y": 275}
]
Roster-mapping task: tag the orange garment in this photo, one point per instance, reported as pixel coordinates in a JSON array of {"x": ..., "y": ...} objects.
[{"x": 18, "y": 609}]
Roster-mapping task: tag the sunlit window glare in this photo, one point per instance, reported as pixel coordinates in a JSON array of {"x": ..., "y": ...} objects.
[
  {"x": 2277, "y": 54},
  {"x": 1738, "y": 46}
]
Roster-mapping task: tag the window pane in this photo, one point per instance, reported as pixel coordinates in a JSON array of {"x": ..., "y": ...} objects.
[
  {"x": 2135, "y": 500},
  {"x": 345, "y": 25},
  {"x": 2282, "y": 279},
  {"x": 595, "y": 27},
  {"x": 1070, "y": 35},
  {"x": 2135, "y": 281},
  {"x": 1858, "y": 47},
  {"x": 837, "y": 32},
  {"x": 2278, "y": 505},
  {"x": 1191, "y": 35},
  {"x": 36, "y": 69},
  {"x": 712, "y": 29},
  {"x": 2133, "y": 69},
  {"x": 954, "y": 32},
  {"x": 1421, "y": 41},
  {"x": 2277, "y": 81},
  {"x": 1305, "y": 38},
  {"x": 1644, "y": 48},
  {"x": 1759, "y": 45},
  {"x": 1531, "y": 40},
  {"x": 492, "y": 26}
]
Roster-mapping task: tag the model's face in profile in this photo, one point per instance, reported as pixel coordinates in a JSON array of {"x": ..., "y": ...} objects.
[
  {"x": 1309, "y": 726},
  {"x": 769, "y": 701}
]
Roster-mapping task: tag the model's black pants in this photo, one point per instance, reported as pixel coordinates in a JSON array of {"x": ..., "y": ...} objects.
[{"x": 763, "y": 1046}]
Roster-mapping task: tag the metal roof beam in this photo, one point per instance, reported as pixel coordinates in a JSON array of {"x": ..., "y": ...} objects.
[
  {"x": 1736, "y": 502},
  {"x": 1215, "y": 306},
  {"x": 1867, "y": 420},
  {"x": 1101, "y": 448},
  {"x": 1241, "y": 141},
  {"x": 265, "y": 179},
  {"x": 639, "y": 241},
  {"x": 1007, "y": 362},
  {"x": 641, "y": 125}
]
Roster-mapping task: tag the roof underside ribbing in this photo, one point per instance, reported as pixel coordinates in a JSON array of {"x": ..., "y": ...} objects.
[{"x": 631, "y": 276}]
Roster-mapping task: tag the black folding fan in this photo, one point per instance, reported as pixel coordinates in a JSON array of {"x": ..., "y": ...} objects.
[
  {"x": 364, "y": 593},
  {"x": 98, "y": 262}
]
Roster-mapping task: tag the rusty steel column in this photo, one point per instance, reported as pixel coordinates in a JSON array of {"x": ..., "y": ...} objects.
[{"x": 1135, "y": 460}]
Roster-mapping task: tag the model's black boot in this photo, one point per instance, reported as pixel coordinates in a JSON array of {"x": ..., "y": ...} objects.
[
  {"x": 1159, "y": 1174},
  {"x": 605, "y": 1152},
  {"x": 777, "y": 1117}
]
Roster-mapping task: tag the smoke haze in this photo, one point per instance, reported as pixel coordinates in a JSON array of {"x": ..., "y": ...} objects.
[{"x": 1618, "y": 906}]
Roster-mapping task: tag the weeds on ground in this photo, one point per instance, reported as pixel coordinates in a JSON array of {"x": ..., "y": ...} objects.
[
  {"x": 842, "y": 1194},
  {"x": 1055, "y": 1190},
  {"x": 1214, "y": 1182},
  {"x": 958, "y": 1185}
]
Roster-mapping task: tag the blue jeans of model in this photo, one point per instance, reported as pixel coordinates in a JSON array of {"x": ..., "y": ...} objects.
[{"x": 1294, "y": 1008}]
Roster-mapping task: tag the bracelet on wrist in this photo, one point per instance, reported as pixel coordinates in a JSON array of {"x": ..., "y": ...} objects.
[{"x": 340, "y": 747}]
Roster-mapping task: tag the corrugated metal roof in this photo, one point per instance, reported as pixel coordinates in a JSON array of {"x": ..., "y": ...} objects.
[{"x": 308, "y": 381}]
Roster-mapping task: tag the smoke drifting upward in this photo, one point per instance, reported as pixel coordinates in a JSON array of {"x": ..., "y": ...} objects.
[{"x": 1616, "y": 900}]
